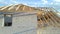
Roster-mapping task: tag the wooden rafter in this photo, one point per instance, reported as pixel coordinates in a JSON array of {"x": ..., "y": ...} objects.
[{"x": 48, "y": 19}]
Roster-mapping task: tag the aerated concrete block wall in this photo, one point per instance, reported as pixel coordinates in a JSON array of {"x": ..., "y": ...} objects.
[{"x": 20, "y": 25}]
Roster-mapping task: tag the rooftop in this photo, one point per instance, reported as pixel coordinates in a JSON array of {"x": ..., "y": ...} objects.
[{"x": 17, "y": 8}]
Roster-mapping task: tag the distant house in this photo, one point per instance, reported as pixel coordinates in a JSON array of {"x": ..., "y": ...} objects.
[{"x": 22, "y": 19}]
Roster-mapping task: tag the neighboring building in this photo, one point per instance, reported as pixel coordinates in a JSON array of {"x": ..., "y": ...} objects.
[{"x": 21, "y": 19}]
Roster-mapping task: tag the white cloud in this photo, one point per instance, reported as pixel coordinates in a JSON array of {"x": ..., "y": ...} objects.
[
  {"x": 57, "y": 0},
  {"x": 44, "y": 1},
  {"x": 56, "y": 3},
  {"x": 14, "y": 1},
  {"x": 35, "y": 3},
  {"x": 3, "y": 2},
  {"x": 24, "y": 3},
  {"x": 51, "y": 3}
]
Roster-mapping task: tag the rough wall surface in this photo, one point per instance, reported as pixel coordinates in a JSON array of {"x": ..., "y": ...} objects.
[
  {"x": 1, "y": 20},
  {"x": 20, "y": 25},
  {"x": 49, "y": 30}
]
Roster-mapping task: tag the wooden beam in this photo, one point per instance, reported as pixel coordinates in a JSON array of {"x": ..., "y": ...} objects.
[
  {"x": 5, "y": 7},
  {"x": 52, "y": 18},
  {"x": 50, "y": 21},
  {"x": 46, "y": 21},
  {"x": 18, "y": 7},
  {"x": 55, "y": 20},
  {"x": 40, "y": 23}
]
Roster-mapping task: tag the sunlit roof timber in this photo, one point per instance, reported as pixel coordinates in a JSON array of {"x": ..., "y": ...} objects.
[
  {"x": 17, "y": 8},
  {"x": 20, "y": 8}
]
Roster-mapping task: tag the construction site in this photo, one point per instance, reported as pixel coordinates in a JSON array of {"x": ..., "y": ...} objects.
[{"x": 22, "y": 19}]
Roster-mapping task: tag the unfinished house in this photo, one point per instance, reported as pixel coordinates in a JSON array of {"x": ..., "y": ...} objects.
[
  {"x": 18, "y": 19},
  {"x": 22, "y": 19}
]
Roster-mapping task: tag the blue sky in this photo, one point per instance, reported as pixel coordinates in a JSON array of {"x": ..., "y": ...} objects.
[{"x": 33, "y": 3}]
